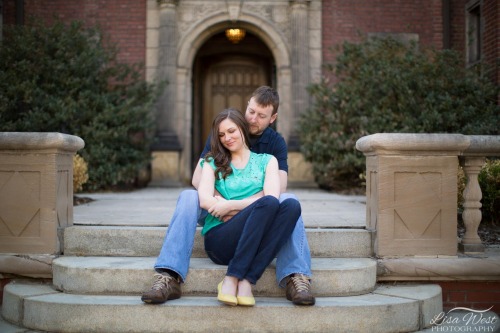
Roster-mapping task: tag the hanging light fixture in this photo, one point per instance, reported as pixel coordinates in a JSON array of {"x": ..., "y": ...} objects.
[{"x": 235, "y": 35}]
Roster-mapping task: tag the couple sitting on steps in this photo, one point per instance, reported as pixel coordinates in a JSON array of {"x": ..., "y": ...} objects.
[{"x": 247, "y": 218}]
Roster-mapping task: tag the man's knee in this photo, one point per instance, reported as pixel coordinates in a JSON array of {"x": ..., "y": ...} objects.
[
  {"x": 285, "y": 196},
  {"x": 190, "y": 195}
]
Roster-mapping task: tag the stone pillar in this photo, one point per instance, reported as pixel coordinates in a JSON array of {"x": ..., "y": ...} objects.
[
  {"x": 412, "y": 192},
  {"x": 299, "y": 63},
  {"x": 167, "y": 57},
  {"x": 472, "y": 205},
  {"x": 36, "y": 195},
  {"x": 167, "y": 148}
]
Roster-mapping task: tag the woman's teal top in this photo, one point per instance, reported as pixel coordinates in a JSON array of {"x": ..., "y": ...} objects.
[{"x": 240, "y": 184}]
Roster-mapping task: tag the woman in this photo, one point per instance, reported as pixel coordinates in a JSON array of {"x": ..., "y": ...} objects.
[{"x": 248, "y": 182}]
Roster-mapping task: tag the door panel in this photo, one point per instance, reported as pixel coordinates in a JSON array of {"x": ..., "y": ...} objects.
[{"x": 229, "y": 83}]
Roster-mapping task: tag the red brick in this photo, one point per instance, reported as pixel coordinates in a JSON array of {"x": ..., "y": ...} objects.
[
  {"x": 455, "y": 296},
  {"x": 483, "y": 296}
]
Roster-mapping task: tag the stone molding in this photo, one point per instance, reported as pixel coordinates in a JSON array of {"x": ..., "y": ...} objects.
[
  {"x": 413, "y": 143},
  {"x": 39, "y": 141},
  {"x": 483, "y": 145},
  {"x": 464, "y": 268}
]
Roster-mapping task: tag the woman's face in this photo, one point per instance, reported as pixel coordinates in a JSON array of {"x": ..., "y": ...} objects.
[{"x": 230, "y": 135}]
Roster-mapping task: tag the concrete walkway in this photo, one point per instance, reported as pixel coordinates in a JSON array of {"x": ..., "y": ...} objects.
[{"x": 155, "y": 206}]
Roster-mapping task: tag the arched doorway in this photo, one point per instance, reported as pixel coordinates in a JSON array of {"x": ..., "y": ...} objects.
[{"x": 225, "y": 75}]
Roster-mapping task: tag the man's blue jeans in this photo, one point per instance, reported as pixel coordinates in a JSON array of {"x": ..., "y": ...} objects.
[
  {"x": 250, "y": 240},
  {"x": 294, "y": 256}
]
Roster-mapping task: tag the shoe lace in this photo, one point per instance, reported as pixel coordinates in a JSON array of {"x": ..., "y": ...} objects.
[
  {"x": 162, "y": 281},
  {"x": 301, "y": 282}
]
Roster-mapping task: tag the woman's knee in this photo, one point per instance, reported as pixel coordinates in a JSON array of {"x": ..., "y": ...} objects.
[
  {"x": 270, "y": 202},
  {"x": 292, "y": 205}
]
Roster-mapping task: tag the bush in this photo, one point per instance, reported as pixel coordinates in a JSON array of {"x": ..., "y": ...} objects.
[
  {"x": 80, "y": 174},
  {"x": 489, "y": 181},
  {"x": 65, "y": 78},
  {"x": 387, "y": 86}
]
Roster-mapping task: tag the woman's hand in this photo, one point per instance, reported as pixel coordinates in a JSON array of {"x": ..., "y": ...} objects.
[{"x": 221, "y": 208}]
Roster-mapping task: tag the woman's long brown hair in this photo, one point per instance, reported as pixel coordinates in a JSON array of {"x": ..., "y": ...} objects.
[{"x": 220, "y": 154}]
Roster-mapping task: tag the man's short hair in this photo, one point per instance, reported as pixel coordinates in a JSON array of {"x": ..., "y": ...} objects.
[{"x": 266, "y": 96}]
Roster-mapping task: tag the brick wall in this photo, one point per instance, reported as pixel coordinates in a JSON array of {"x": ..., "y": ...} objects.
[
  {"x": 491, "y": 33},
  {"x": 349, "y": 19},
  {"x": 477, "y": 295},
  {"x": 457, "y": 23},
  {"x": 123, "y": 22},
  {"x": 491, "y": 40}
]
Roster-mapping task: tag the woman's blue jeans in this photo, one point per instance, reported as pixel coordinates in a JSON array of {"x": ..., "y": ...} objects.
[
  {"x": 250, "y": 240},
  {"x": 294, "y": 256}
]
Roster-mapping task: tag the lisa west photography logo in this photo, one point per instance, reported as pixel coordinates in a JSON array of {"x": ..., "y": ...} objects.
[{"x": 466, "y": 320}]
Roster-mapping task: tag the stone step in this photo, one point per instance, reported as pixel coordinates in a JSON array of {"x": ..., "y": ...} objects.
[
  {"x": 405, "y": 308},
  {"x": 133, "y": 275},
  {"x": 147, "y": 241}
]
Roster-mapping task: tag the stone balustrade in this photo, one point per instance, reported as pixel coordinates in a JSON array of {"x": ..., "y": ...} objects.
[
  {"x": 411, "y": 196},
  {"x": 36, "y": 199},
  {"x": 411, "y": 189},
  {"x": 472, "y": 160}
]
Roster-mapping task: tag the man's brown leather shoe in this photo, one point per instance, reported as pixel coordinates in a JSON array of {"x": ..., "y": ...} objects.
[
  {"x": 164, "y": 288},
  {"x": 298, "y": 290}
]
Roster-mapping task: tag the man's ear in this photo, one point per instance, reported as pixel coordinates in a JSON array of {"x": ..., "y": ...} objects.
[{"x": 273, "y": 118}]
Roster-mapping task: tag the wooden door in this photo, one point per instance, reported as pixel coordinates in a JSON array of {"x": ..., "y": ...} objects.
[{"x": 229, "y": 83}]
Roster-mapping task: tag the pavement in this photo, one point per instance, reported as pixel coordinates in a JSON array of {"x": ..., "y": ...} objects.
[{"x": 154, "y": 206}]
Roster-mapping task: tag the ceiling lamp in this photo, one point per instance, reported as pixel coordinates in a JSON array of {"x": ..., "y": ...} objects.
[{"x": 235, "y": 35}]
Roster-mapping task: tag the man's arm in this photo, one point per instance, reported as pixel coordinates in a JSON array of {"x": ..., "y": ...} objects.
[
  {"x": 195, "y": 181},
  {"x": 283, "y": 180}
]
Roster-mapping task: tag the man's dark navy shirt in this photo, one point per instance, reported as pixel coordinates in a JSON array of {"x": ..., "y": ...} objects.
[{"x": 270, "y": 142}]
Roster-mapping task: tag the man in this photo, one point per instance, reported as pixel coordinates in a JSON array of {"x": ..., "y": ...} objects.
[{"x": 293, "y": 264}]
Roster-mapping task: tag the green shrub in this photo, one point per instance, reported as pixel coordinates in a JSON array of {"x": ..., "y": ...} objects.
[
  {"x": 489, "y": 181},
  {"x": 382, "y": 85},
  {"x": 65, "y": 78}
]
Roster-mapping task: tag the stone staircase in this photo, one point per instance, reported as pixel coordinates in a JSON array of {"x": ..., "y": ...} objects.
[{"x": 97, "y": 284}]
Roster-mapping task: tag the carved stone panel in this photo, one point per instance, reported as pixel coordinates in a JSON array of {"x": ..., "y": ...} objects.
[
  {"x": 413, "y": 204},
  {"x": 36, "y": 191}
]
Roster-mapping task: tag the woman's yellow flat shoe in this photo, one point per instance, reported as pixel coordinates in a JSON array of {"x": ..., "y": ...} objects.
[
  {"x": 226, "y": 298},
  {"x": 246, "y": 300}
]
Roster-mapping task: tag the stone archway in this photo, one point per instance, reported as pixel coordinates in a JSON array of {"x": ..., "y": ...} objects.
[
  {"x": 188, "y": 49},
  {"x": 176, "y": 30}
]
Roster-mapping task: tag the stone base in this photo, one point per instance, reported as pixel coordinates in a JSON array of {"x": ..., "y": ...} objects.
[
  {"x": 165, "y": 170},
  {"x": 28, "y": 265},
  {"x": 299, "y": 171},
  {"x": 471, "y": 248}
]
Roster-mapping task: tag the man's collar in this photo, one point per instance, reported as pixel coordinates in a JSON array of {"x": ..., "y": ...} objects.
[{"x": 266, "y": 135}]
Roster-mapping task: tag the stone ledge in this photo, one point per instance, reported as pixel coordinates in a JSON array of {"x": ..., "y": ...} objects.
[
  {"x": 483, "y": 145},
  {"x": 40, "y": 141},
  {"x": 466, "y": 268},
  {"x": 28, "y": 265},
  {"x": 412, "y": 143}
]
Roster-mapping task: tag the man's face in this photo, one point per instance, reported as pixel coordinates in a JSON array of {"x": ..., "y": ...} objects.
[{"x": 259, "y": 117}]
